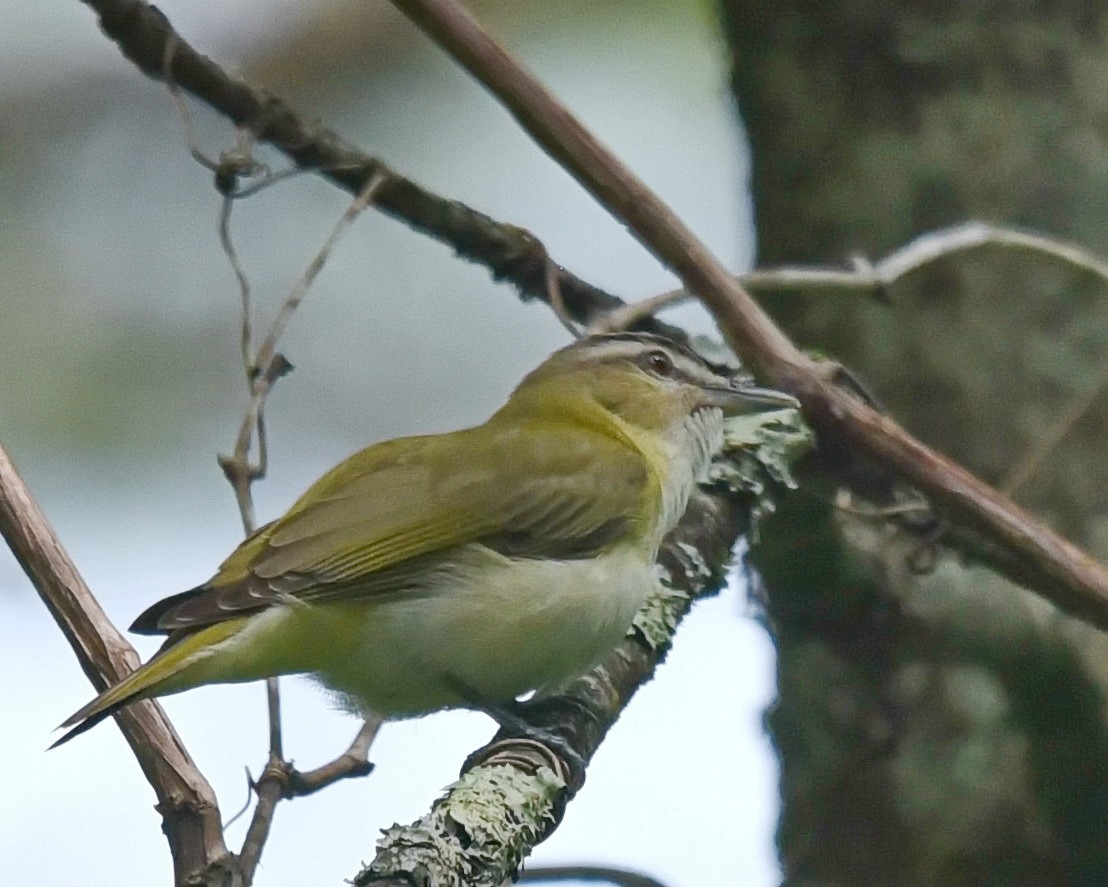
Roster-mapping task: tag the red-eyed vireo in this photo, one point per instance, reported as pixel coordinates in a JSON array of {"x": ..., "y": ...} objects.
[{"x": 463, "y": 569}]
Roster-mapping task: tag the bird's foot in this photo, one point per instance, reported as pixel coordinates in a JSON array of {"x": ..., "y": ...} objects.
[{"x": 509, "y": 717}]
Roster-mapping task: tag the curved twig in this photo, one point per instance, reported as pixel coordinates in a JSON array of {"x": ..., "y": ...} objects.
[
  {"x": 264, "y": 366},
  {"x": 592, "y": 874},
  {"x": 878, "y": 277}
]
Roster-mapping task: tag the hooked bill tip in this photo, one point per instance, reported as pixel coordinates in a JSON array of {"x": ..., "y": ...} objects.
[
  {"x": 743, "y": 397},
  {"x": 768, "y": 396}
]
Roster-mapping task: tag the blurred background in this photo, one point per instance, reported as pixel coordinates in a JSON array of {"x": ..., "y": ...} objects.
[{"x": 120, "y": 381}]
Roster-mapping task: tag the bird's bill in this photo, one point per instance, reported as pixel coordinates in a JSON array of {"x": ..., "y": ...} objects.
[{"x": 741, "y": 397}]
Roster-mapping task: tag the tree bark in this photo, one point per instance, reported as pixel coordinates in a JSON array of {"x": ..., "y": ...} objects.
[{"x": 936, "y": 725}]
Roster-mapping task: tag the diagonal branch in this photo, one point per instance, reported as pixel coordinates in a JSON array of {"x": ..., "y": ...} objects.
[
  {"x": 1042, "y": 560},
  {"x": 143, "y": 33},
  {"x": 1037, "y": 557},
  {"x": 186, "y": 802}
]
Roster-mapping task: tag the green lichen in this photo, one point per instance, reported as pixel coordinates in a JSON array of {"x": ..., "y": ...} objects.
[
  {"x": 763, "y": 445},
  {"x": 476, "y": 835},
  {"x": 758, "y": 452},
  {"x": 657, "y": 619}
]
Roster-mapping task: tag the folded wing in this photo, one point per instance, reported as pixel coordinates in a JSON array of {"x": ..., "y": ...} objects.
[{"x": 377, "y": 522}]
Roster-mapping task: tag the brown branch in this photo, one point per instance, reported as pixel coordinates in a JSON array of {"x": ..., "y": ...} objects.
[
  {"x": 186, "y": 802},
  {"x": 1048, "y": 564},
  {"x": 516, "y": 255},
  {"x": 143, "y": 33},
  {"x": 353, "y": 762}
]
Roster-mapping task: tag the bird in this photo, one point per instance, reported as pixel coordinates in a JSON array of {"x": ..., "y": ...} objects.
[{"x": 465, "y": 569}]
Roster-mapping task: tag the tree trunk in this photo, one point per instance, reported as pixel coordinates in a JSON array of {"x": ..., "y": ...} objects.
[{"x": 936, "y": 724}]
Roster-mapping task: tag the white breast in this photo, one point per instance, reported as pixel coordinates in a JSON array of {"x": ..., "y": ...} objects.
[
  {"x": 690, "y": 448},
  {"x": 497, "y": 626}
]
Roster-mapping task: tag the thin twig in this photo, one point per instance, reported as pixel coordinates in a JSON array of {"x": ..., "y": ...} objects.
[
  {"x": 598, "y": 874},
  {"x": 190, "y": 814},
  {"x": 1029, "y": 463},
  {"x": 843, "y": 503},
  {"x": 271, "y": 788},
  {"x": 366, "y": 196},
  {"x": 1042, "y": 561},
  {"x": 263, "y": 367},
  {"x": 353, "y": 762},
  {"x": 246, "y": 335},
  {"x": 509, "y": 252},
  {"x": 280, "y": 780},
  {"x": 1046, "y": 563},
  {"x": 269, "y": 365},
  {"x": 557, "y": 303},
  {"x": 245, "y": 804},
  {"x": 974, "y": 235},
  {"x": 880, "y": 277}
]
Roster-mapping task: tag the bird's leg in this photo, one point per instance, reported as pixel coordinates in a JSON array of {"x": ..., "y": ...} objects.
[{"x": 507, "y": 716}]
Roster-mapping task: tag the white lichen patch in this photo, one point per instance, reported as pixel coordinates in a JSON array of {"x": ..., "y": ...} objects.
[
  {"x": 477, "y": 834},
  {"x": 695, "y": 564},
  {"x": 657, "y": 618},
  {"x": 758, "y": 452}
]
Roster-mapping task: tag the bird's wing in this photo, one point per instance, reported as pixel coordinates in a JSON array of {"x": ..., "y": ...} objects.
[{"x": 378, "y": 521}]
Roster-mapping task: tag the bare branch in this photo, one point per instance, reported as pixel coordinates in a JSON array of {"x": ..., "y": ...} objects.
[
  {"x": 881, "y": 279},
  {"x": 1042, "y": 560},
  {"x": 1039, "y": 558},
  {"x": 353, "y": 762},
  {"x": 974, "y": 235},
  {"x": 600, "y": 874},
  {"x": 263, "y": 368},
  {"x": 878, "y": 278},
  {"x": 186, "y": 801},
  {"x": 271, "y": 788},
  {"x": 510, "y": 253}
]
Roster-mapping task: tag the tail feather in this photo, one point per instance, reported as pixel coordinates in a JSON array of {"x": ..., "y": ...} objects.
[{"x": 155, "y": 678}]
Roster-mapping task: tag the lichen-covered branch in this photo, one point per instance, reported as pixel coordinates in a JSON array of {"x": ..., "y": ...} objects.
[
  {"x": 479, "y": 832},
  {"x": 511, "y": 797}
]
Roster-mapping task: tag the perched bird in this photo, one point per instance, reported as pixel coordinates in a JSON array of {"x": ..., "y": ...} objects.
[{"x": 463, "y": 569}]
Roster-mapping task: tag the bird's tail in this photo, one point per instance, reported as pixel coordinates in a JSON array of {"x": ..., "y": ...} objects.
[{"x": 167, "y": 672}]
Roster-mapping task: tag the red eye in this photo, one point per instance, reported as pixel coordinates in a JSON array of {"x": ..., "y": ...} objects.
[{"x": 659, "y": 362}]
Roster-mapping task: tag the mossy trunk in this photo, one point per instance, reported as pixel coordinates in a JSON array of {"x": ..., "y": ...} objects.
[{"x": 936, "y": 724}]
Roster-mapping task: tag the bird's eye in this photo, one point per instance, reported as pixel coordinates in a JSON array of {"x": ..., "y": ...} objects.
[{"x": 659, "y": 362}]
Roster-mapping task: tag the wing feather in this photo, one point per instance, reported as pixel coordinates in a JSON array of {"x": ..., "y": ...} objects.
[{"x": 379, "y": 521}]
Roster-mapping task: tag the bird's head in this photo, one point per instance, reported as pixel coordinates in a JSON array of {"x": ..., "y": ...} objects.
[{"x": 648, "y": 381}]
